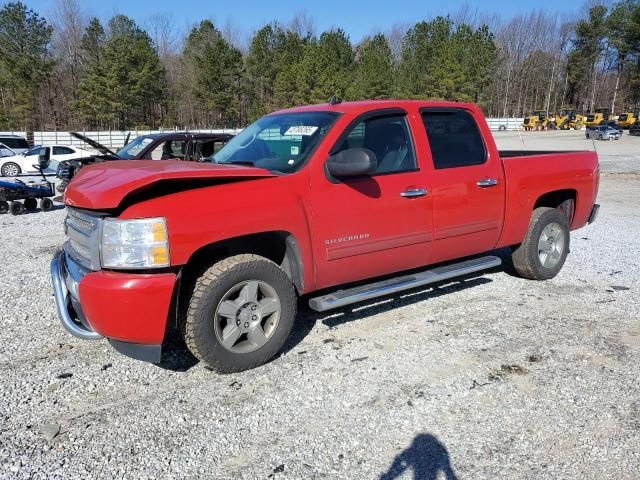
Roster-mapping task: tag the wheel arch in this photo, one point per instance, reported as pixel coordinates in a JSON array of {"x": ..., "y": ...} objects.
[
  {"x": 565, "y": 200},
  {"x": 281, "y": 247}
]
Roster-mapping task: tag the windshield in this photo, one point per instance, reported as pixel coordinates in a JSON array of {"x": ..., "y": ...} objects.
[
  {"x": 280, "y": 143},
  {"x": 133, "y": 148},
  {"x": 33, "y": 151}
]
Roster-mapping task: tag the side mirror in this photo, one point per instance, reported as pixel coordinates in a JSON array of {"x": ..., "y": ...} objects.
[
  {"x": 352, "y": 162},
  {"x": 44, "y": 158}
]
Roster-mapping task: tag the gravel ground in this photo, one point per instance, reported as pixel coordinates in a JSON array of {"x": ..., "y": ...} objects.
[{"x": 490, "y": 377}]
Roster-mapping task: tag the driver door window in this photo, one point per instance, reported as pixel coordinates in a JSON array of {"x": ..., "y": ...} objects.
[
  {"x": 388, "y": 138},
  {"x": 169, "y": 150}
]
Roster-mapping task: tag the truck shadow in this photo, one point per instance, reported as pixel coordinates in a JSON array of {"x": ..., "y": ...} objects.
[
  {"x": 176, "y": 357},
  {"x": 426, "y": 458},
  {"x": 308, "y": 318}
]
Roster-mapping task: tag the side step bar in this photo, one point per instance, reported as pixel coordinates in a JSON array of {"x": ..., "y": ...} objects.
[{"x": 341, "y": 298}]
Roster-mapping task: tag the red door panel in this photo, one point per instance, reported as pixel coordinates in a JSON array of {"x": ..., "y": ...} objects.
[
  {"x": 467, "y": 183},
  {"x": 369, "y": 228}
]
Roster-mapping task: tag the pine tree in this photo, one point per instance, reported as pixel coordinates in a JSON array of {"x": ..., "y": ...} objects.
[
  {"x": 374, "y": 69},
  {"x": 24, "y": 63},
  {"x": 217, "y": 67}
]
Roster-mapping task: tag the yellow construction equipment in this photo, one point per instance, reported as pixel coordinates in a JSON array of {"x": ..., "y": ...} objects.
[
  {"x": 537, "y": 121},
  {"x": 568, "y": 120},
  {"x": 600, "y": 115},
  {"x": 629, "y": 117}
]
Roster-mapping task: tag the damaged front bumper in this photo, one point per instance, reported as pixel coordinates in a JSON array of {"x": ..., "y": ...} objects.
[{"x": 130, "y": 310}]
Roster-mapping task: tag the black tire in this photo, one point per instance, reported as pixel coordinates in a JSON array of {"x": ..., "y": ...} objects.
[
  {"x": 10, "y": 166},
  {"x": 16, "y": 208},
  {"x": 526, "y": 257},
  {"x": 4, "y": 207},
  {"x": 46, "y": 204},
  {"x": 30, "y": 203},
  {"x": 199, "y": 328}
]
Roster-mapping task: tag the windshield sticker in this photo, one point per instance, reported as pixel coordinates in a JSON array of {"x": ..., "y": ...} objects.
[
  {"x": 301, "y": 130},
  {"x": 295, "y": 150}
]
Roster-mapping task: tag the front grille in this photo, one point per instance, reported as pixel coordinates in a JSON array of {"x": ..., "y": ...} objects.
[
  {"x": 80, "y": 222},
  {"x": 83, "y": 232}
]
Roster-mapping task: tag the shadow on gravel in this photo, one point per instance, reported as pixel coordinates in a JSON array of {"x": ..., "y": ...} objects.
[
  {"x": 426, "y": 458},
  {"x": 307, "y": 318},
  {"x": 176, "y": 357}
]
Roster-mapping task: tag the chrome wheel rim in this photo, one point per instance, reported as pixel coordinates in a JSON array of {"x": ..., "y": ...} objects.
[
  {"x": 551, "y": 245},
  {"x": 247, "y": 316},
  {"x": 10, "y": 170}
]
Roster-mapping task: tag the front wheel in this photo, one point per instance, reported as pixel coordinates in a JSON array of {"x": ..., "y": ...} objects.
[
  {"x": 545, "y": 247},
  {"x": 10, "y": 169},
  {"x": 240, "y": 314}
]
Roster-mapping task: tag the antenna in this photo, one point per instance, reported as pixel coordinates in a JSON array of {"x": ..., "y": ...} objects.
[{"x": 335, "y": 100}]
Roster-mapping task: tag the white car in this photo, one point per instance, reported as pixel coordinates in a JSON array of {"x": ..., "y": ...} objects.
[{"x": 28, "y": 161}]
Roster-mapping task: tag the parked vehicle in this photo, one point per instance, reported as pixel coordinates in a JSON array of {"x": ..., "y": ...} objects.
[
  {"x": 613, "y": 124},
  {"x": 307, "y": 199},
  {"x": 602, "y": 132},
  {"x": 6, "y": 151},
  {"x": 16, "y": 143},
  {"x": 635, "y": 129},
  {"x": 598, "y": 117},
  {"x": 629, "y": 117},
  {"x": 159, "y": 146},
  {"x": 16, "y": 191},
  {"x": 27, "y": 161}
]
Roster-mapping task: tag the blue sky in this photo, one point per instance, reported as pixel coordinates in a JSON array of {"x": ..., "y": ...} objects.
[{"x": 356, "y": 17}]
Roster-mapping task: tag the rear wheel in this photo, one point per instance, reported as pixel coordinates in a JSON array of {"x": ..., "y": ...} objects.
[
  {"x": 545, "y": 247},
  {"x": 4, "y": 207},
  {"x": 240, "y": 314},
  {"x": 10, "y": 169}
]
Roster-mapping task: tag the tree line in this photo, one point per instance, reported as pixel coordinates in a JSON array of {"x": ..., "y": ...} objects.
[{"x": 70, "y": 71}]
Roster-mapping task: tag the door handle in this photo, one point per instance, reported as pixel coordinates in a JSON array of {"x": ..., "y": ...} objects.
[
  {"x": 414, "y": 192},
  {"x": 487, "y": 182}
]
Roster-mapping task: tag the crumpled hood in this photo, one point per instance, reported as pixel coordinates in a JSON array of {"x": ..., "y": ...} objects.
[{"x": 103, "y": 186}]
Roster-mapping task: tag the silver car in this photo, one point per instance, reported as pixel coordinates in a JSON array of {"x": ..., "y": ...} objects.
[{"x": 602, "y": 132}]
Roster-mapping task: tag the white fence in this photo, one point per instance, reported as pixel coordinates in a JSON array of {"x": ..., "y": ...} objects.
[
  {"x": 115, "y": 139},
  {"x": 108, "y": 138},
  {"x": 505, "y": 123}
]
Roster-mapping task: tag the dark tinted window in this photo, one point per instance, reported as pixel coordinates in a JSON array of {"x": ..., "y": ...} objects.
[
  {"x": 388, "y": 137},
  {"x": 454, "y": 138},
  {"x": 62, "y": 151},
  {"x": 205, "y": 148},
  {"x": 14, "y": 142}
]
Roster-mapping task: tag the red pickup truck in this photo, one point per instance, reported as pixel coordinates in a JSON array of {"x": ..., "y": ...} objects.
[{"x": 386, "y": 195}]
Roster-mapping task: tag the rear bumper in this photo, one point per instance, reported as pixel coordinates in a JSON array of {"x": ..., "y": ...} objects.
[{"x": 130, "y": 310}]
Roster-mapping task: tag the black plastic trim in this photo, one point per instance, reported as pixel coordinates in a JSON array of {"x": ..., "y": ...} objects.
[
  {"x": 594, "y": 213},
  {"x": 138, "y": 351}
]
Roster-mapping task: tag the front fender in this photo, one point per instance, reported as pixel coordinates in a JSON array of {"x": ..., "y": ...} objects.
[{"x": 203, "y": 216}]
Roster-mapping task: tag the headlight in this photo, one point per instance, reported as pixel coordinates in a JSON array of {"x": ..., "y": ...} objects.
[{"x": 140, "y": 243}]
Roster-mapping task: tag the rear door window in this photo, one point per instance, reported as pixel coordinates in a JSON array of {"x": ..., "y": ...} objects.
[{"x": 454, "y": 138}]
